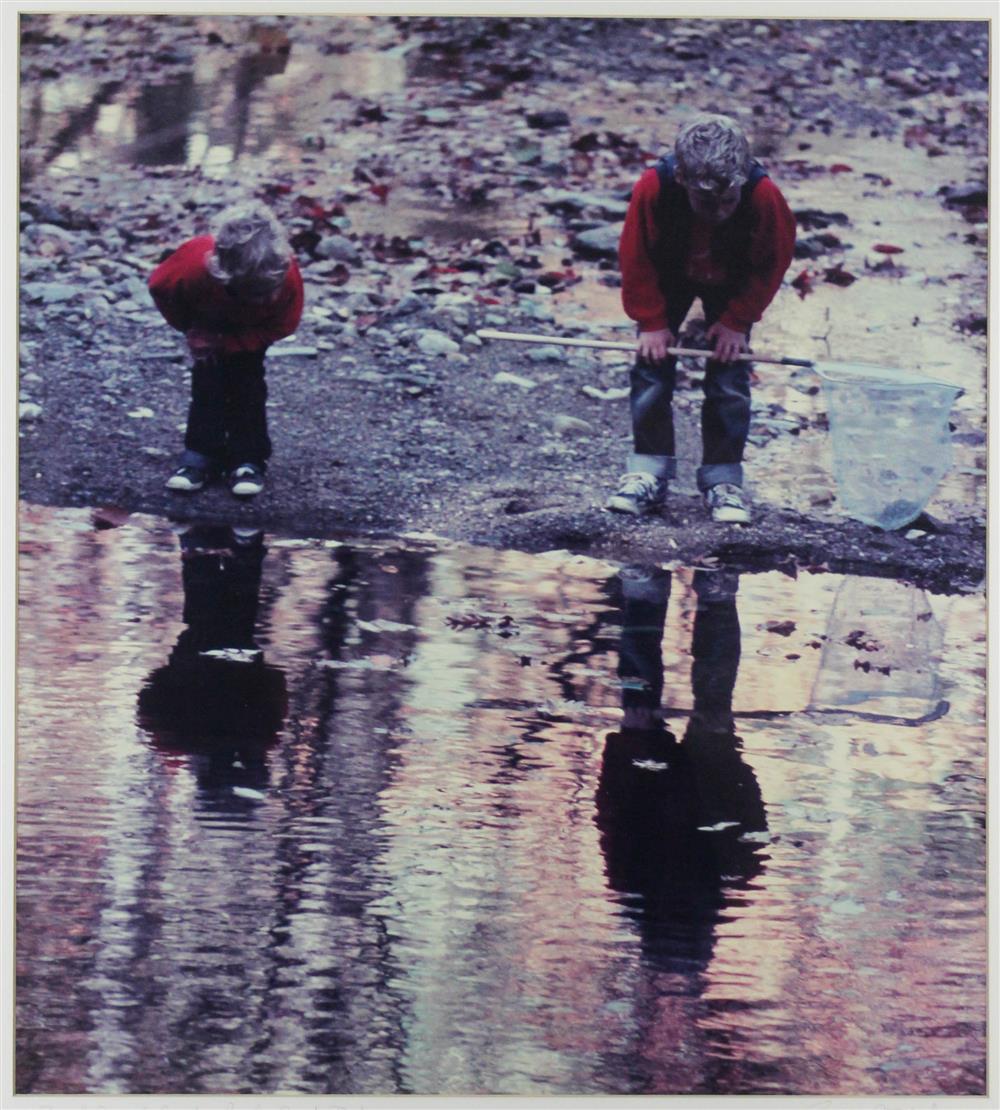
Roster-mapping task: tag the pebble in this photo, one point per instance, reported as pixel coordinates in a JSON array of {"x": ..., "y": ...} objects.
[
  {"x": 432, "y": 342},
  {"x": 549, "y": 353},
  {"x": 28, "y": 410},
  {"x": 502, "y": 377},
  {"x": 338, "y": 247},
  {"x": 570, "y": 425},
  {"x": 293, "y": 352},
  {"x": 598, "y": 242}
]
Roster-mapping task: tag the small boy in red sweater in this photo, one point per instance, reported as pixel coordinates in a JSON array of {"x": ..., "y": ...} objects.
[
  {"x": 708, "y": 223},
  {"x": 233, "y": 294}
]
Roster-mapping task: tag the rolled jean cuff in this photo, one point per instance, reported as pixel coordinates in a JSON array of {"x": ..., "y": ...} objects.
[
  {"x": 660, "y": 466},
  {"x": 714, "y": 473}
]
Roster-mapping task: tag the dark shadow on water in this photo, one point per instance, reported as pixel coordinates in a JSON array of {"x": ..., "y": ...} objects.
[
  {"x": 672, "y": 814},
  {"x": 216, "y": 701}
]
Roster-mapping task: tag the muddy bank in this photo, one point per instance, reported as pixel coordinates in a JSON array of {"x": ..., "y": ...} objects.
[{"x": 442, "y": 175}]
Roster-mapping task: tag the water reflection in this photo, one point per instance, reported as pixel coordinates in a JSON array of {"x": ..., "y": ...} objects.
[
  {"x": 216, "y": 702},
  {"x": 436, "y": 872},
  {"x": 674, "y": 816}
]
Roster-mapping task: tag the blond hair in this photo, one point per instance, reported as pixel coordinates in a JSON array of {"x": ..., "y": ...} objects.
[
  {"x": 714, "y": 148},
  {"x": 251, "y": 248}
]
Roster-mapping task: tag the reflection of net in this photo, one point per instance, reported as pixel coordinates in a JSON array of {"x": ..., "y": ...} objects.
[
  {"x": 881, "y": 651},
  {"x": 890, "y": 439}
]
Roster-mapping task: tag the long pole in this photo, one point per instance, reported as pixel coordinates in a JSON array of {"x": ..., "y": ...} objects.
[{"x": 621, "y": 345}]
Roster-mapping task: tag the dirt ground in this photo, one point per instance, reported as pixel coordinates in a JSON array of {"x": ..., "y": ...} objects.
[{"x": 443, "y": 175}]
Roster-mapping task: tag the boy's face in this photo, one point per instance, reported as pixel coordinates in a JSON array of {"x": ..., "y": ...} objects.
[{"x": 711, "y": 200}]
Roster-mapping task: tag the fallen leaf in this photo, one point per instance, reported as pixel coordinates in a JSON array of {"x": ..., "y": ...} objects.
[
  {"x": 837, "y": 275},
  {"x": 780, "y": 628},
  {"x": 803, "y": 284},
  {"x": 887, "y": 248},
  {"x": 841, "y": 167}
]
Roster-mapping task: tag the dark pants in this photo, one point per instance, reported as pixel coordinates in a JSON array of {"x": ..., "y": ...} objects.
[
  {"x": 227, "y": 420},
  {"x": 725, "y": 410}
]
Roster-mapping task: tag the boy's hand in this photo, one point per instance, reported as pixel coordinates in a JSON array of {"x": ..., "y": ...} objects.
[
  {"x": 728, "y": 343},
  {"x": 653, "y": 344},
  {"x": 201, "y": 344}
]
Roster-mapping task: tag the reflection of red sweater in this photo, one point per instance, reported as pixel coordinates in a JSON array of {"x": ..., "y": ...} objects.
[
  {"x": 189, "y": 297},
  {"x": 771, "y": 243}
]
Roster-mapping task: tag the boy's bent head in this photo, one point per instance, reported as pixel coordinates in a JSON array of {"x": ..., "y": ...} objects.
[
  {"x": 713, "y": 163},
  {"x": 252, "y": 254}
]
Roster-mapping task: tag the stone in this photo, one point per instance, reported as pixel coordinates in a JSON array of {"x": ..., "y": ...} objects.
[
  {"x": 29, "y": 411},
  {"x": 548, "y": 353},
  {"x": 504, "y": 378},
  {"x": 610, "y": 207},
  {"x": 338, "y": 248},
  {"x": 548, "y": 119},
  {"x": 432, "y": 342},
  {"x": 968, "y": 195},
  {"x": 49, "y": 292},
  {"x": 598, "y": 242},
  {"x": 292, "y": 352},
  {"x": 570, "y": 425}
]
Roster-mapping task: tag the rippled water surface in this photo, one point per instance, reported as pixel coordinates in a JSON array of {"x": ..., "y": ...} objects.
[{"x": 402, "y": 817}]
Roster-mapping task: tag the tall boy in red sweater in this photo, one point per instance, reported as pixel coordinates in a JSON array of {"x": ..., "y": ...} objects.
[
  {"x": 233, "y": 294},
  {"x": 707, "y": 223}
]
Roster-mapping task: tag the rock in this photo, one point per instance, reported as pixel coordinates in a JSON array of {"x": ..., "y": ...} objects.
[
  {"x": 503, "y": 378},
  {"x": 548, "y": 353},
  {"x": 338, "y": 248},
  {"x": 570, "y": 425},
  {"x": 548, "y": 119},
  {"x": 598, "y": 242},
  {"x": 292, "y": 352},
  {"x": 616, "y": 394},
  {"x": 809, "y": 218},
  {"x": 610, "y": 207},
  {"x": 968, "y": 195},
  {"x": 406, "y": 306},
  {"x": 432, "y": 342},
  {"x": 471, "y": 340},
  {"x": 49, "y": 292},
  {"x": 29, "y": 411}
]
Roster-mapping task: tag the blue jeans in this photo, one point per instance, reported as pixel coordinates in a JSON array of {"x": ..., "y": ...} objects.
[{"x": 725, "y": 410}]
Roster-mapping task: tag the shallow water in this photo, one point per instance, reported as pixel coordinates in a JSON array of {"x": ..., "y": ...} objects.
[{"x": 413, "y": 825}]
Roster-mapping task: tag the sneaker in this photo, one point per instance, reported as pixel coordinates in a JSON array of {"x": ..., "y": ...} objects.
[
  {"x": 638, "y": 493},
  {"x": 187, "y": 478},
  {"x": 728, "y": 504},
  {"x": 246, "y": 480}
]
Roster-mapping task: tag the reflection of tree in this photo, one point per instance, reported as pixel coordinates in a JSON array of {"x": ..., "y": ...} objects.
[
  {"x": 672, "y": 815},
  {"x": 216, "y": 701},
  {"x": 79, "y": 123},
  {"x": 251, "y": 71},
  {"x": 163, "y": 121}
]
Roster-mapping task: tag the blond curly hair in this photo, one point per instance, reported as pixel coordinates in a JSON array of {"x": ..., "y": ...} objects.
[
  {"x": 713, "y": 148},
  {"x": 251, "y": 248}
]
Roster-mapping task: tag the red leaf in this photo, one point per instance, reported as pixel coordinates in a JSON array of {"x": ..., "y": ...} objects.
[
  {"x": 887, "y": 248},
  {"x": 803, "y": 283},
  {"x": 841, "y": 167},
  {"x": 837, "y": 275},
  {"x": 379, "y": 190}
]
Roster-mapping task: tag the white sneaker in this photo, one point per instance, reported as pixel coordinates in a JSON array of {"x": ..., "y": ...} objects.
[
  {"x": 638, "y": 493},
  {"x": 246, "y": 480},
  {"x": 728, "y": 503}
]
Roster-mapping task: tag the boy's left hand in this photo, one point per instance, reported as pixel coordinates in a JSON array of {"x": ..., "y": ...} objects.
[{"x": 728, "y": 343}]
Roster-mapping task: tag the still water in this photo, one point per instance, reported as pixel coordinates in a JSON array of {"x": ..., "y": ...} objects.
[{"x": 409, "y": 817}]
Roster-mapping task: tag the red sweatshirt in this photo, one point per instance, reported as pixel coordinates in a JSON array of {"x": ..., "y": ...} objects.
[
  {"x": 771, "y": 244},
  {"x": 189, "y": 297}
]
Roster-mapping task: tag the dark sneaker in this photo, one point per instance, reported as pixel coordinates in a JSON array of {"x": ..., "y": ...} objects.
[
  {"x": 187, "y": 478},
  {"x": 246, "y": 480},
  {"x": 638, "y": 493},
  {"x": 728, "y": 504}
]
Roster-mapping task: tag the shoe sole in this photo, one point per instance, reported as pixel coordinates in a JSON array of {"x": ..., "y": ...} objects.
[
  {"x": 243, "y": 490},
  {"x": 620, "y": 505},
  {"x": 731, "y": 516},
  {"x": 186, "y": 487}
]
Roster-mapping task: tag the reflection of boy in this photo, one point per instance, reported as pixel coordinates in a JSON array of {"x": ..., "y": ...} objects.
[
  {"x": 673, "y": 817},
  {"x": 232, "y": 294},
  {"x": 707, "y": 223},
  {"x": 216, "y": 698}
]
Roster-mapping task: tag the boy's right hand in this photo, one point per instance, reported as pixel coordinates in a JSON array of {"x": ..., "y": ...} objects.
[{"x": 653, "y": 344}]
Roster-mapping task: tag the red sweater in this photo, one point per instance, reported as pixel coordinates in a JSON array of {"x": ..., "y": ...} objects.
[
  {"x": 189, "y": 297},
  {"x": 771, "y": 244}
]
